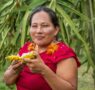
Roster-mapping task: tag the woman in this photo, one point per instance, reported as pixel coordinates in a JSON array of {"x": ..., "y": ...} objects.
[{"x": 54, "y": 68}]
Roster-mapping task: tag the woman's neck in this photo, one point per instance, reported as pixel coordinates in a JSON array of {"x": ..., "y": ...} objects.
[{"x": 43, "y": 48}]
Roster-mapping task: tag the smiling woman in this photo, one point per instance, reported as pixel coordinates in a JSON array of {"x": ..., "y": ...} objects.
[
  {"x": 44, "y": 26},
  {"x": 54, "y": 68}
]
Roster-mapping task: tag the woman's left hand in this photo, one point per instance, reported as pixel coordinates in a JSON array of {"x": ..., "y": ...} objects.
[{"x": 35, "y": 65}]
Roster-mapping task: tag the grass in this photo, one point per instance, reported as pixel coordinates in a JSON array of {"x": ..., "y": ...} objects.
[
  {"x": 3, "y": 86},
  {"x": 84, "y": 82}
]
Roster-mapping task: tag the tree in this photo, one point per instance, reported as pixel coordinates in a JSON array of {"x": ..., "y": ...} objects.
[{"x": 77, "y": 22}]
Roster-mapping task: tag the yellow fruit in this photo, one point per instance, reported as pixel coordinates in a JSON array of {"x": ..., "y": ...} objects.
[
  {"x": 13, "y": 57},
  {"x": 30, "y": 55}
]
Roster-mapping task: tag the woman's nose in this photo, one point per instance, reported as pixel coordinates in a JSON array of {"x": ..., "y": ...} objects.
[{"x": 39, "y": 29}]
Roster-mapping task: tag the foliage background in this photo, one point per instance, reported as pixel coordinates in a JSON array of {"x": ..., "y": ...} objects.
[{"x": 77, "y": 23}]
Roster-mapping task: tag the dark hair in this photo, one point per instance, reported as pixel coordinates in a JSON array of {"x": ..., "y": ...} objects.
[{"x": 49, "y": 11}]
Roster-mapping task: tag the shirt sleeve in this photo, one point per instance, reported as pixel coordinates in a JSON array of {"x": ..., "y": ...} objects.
[{"x": 65, "y": 52}]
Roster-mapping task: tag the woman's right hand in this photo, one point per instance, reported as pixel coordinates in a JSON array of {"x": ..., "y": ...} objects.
[
  {"x": 12, "y": 72},
  {"x": 15, "y": 66}
]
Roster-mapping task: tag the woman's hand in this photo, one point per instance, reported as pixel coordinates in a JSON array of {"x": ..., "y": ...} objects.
[
  {"x": 15, "y": 66},
  {"x": 11, "y": 73},
  {"x": 36, "y": 65}
]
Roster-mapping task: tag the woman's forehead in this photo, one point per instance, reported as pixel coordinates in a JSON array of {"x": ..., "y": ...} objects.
[{"x": 41, "y": 16}]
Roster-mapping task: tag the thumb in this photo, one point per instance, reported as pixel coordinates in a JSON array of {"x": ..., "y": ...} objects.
[{"x": 37, "y": 54}]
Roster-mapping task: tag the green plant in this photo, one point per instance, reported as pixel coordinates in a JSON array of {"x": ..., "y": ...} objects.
[{"x": 76, "y": 19}]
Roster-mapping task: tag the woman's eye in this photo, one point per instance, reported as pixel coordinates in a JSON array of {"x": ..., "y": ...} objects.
[
  {"x": 34, "y": 26},
  {"x": 45, "y": 25}
]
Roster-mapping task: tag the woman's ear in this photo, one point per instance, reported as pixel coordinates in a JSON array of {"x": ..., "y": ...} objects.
[{"x": 56, "y": 30}]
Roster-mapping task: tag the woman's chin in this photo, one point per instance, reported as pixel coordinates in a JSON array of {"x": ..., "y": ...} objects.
[{"x": 41, "y": 43}]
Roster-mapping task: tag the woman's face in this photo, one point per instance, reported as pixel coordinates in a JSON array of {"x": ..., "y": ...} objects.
[{"x": 42, "y": 29}]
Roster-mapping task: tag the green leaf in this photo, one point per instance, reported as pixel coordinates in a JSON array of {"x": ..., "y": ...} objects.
[
  {"x": 75, "y": 30},
  {"x": 4, "y": 37},
  {"x": 52, "y": 4},
  {"x": 5, "y": 6},
  {"x": 24, "y": 25},
  {"x": 71, "y": 9}
]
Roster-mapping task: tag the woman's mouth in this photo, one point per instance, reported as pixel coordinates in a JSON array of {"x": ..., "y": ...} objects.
[{"x": 39, "y": 37}]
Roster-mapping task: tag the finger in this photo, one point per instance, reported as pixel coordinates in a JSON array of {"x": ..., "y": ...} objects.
[
  {"x": 35, "y": 71},
  {"x": 36, "y": 48},
  {"x": 27, "y": 60},
  {"x": 14, "y": 62},
  {"x": 37, "y": 54},
  {"x": 17, "y": 65},
  {"x": 30, "y": 65}
]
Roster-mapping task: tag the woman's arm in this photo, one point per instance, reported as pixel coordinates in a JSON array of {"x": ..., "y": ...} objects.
[
  {"x": 11, "y": 73},
  {"x": 65, "y": 77}
]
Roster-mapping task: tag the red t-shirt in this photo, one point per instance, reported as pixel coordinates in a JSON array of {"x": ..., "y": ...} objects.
[{"x": 32, "y": 81}]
